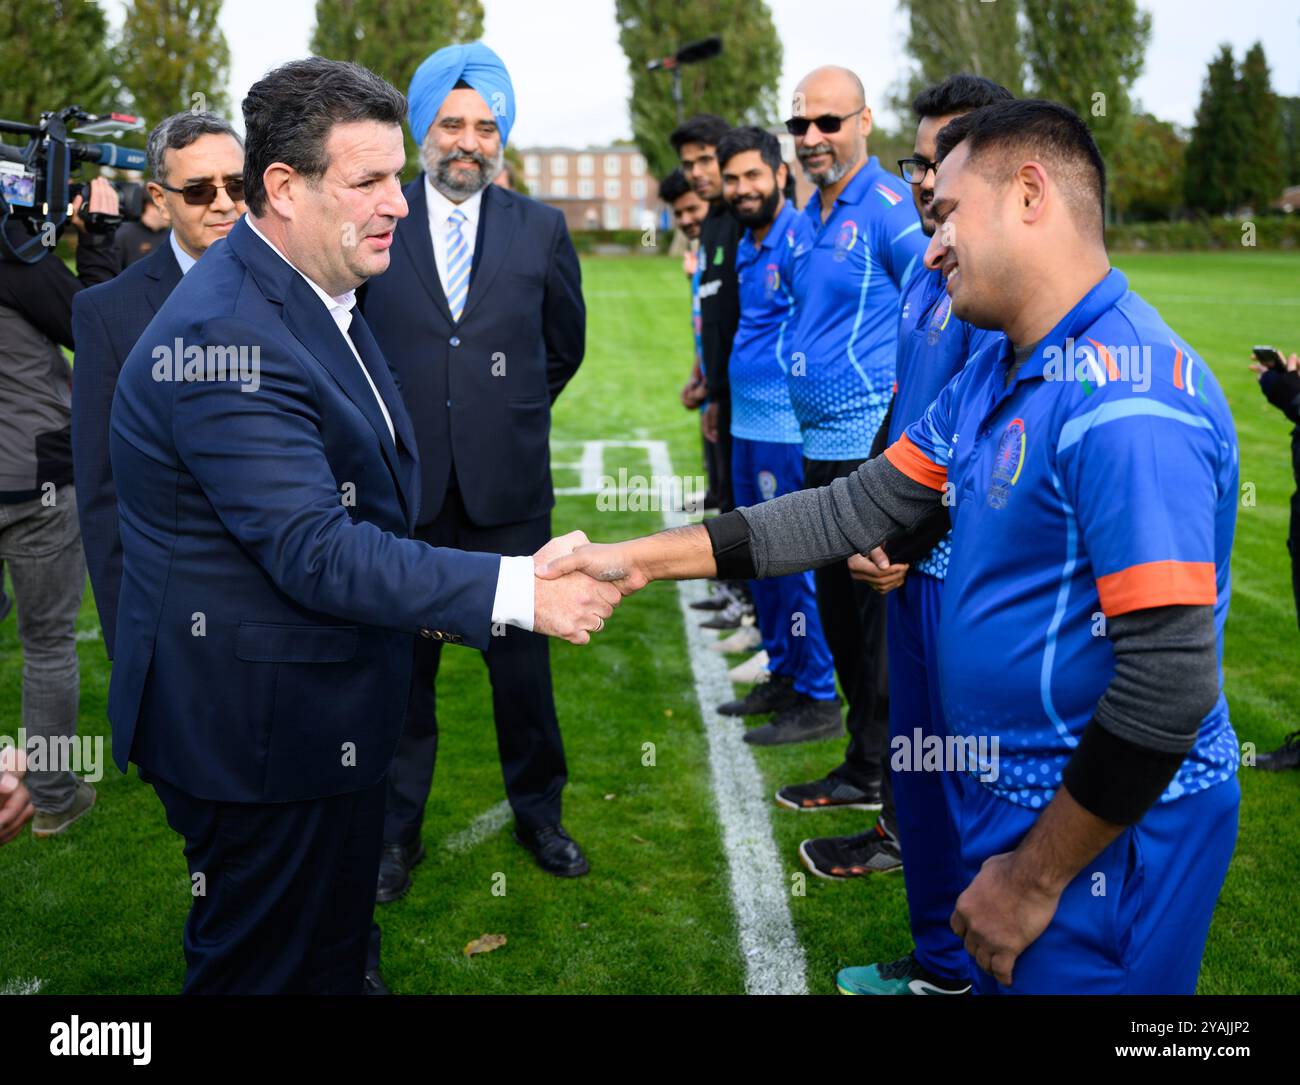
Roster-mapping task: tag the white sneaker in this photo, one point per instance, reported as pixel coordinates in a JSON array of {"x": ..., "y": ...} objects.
[
  {"x": 744, "y": 639},
  {"x": 754, "y": 669}
]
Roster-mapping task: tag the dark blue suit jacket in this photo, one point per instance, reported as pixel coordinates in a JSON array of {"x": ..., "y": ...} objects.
[
  {"x": 106, "y": 322},
  {"x": 269, "y": 592},
  {"x": 480, "y": 389}
]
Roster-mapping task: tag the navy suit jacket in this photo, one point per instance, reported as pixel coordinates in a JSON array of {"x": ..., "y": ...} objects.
[
  {"x": 480, "y": 389},
  {"x": 106, "y": 322},
  {"x": 270, "y": 594}
]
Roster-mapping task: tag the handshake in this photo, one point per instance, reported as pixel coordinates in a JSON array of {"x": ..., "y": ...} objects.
[{"x": 579, "y": 584}]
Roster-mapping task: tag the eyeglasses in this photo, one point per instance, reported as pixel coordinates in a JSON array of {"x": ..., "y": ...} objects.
[
  {"x": 828, "y": 123},
  {"x": 203, "y": 193},
  {"x": 915, "y": 169}
]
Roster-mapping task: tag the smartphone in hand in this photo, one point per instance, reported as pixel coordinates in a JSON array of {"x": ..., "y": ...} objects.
[{"x": 1270, "y": 357}]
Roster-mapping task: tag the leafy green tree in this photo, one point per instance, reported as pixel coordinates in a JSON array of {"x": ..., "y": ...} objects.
[
  {"x": 173, "y": 57},
  {"x": 1263, "y": 168},
  {"x": 1087, "y": 54},
  {"x": 53, "y": 53},
  {"x": 949, "y": 36},
  {"x": 1217, "y": 153},
  {"x": 740, "y": 85},
  {"x": 1146, "y": 180},
  {"x": 379, "y": 35},
  {"x": 1289, "y": 108}
]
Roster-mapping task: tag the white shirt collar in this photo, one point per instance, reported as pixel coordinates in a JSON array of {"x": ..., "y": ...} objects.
[
  {"x": 440, "y": 207},
  {"x": 183, "y": 258},
  {"x": 340, "y": 307}
]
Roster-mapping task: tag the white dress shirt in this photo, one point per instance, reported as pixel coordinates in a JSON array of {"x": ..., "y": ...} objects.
[
  {"x": 183, "y": 258},
  {"x": 513, "y": 603},
  {"x": 440, "y": 209}
]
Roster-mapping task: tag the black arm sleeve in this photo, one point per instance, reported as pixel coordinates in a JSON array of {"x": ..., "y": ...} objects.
[
  {"x": 1282, "y": 389},
  {"x": 810, "y": 528},
  {"x": 1166, "y": 681}
]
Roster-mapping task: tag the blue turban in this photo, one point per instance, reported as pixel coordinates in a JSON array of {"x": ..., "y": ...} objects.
[{"x": 478, "y": 66}]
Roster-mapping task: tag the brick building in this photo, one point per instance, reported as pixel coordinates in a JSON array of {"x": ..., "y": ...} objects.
[{"x": 597, "y": 188}]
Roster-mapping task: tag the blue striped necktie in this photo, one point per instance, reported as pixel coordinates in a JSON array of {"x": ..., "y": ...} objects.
[{"x": 458, "y": 264}]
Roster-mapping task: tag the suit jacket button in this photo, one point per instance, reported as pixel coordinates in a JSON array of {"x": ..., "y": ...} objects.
[
  {"x": 455, "y": 340},
  {"x": 425, "y": 633}
]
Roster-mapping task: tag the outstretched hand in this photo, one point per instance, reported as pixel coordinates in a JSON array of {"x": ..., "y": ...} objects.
[
  {"x": 571, "y": 606},
  {"x": 611, "y": 563}
]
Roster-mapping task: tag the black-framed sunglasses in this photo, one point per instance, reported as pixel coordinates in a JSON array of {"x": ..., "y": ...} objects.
[
  {"x": 914, "y": 169},
  {"x": 828, "y": 123},
  {"x": 203, "y": 193}
]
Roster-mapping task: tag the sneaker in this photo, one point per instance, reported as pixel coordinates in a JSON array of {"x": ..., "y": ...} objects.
[
  {"x": 44, "y": 824},
  {"x": 904, "y": 976},
  {"x": 1286, "y": 756},
  {"x": 729, "y": 617},
  {"x": 754, "y": 669},
  {"x": 829, "y": 793},
  {"x": 838, "y": 858},
  {"x": 805, "y": 721},
  {"x": 774, "y": 695},
  {"x": 744, "y": 639},
  {"x": 718, "y": 597}
]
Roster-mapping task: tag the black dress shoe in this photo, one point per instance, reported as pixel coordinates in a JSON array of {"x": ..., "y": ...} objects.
[
  {"x": 556, "y": 851},
  {"x": 395, "y": 870},
  {"x": 374, "y": 984}
]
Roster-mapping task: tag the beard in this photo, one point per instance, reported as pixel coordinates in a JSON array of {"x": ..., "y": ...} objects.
[
  {"x": 832, "y": 173},
  {"x": 457, "y": 184},
  {"x": 757, "y": 219}
]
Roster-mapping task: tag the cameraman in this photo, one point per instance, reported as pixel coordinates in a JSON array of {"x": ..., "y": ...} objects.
[
  {"x": 1281, "y": 387},
  {"x": 39, "y": 539}
]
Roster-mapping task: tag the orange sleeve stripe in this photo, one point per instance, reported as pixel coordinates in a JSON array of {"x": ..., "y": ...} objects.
[
  {"x": 1158, "y": 584},
  {"x": 915, "y": 464}
]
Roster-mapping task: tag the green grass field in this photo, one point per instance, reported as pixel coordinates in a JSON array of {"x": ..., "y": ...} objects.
[{"x": 100, "y": 909}]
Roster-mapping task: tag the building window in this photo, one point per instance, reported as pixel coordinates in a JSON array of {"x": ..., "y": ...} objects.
[
  {"x": 638, "y": 165},
  {"x": 586, "y": 165},
  {"x": 560, "y": 187},
  {"x": 532, "y": 165},
  {"x": 613, "y": 220},
  {"x": 613, "y": 190},
  {"x": 613, "y": 165},
  {"x": 559, "y": 165},
  {"x": 586, "y": 188},
  {"x": 638, "y": 189}
]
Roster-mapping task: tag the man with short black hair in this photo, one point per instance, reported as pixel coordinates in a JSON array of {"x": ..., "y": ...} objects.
[
  {"x": 1089, "y": 462},
  {"x": 196, "y": 178}
]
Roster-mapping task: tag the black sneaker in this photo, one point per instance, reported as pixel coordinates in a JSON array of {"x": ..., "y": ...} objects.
[
  {"x": 775, "y": 694},
  {"x": 729, "y": 617},
  {"x": 717, "y": 599},
  {"x": 1286, "y": 756},
  {"x": 805, "y": 721},
  {"x": 838, "y": 858},
  {"x": 829, "y": 793}
]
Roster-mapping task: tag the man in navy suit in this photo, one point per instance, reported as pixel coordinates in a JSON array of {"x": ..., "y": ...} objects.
[
  {"x": 483, "y": 321},
  {"x": 267, "y": 486},
  {"x": 196, "y": 166}
]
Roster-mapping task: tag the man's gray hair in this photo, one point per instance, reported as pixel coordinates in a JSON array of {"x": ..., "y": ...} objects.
[{"x": 177, "y": 132}]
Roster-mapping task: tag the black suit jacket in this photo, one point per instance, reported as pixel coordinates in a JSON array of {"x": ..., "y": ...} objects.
[
  {"x": 106, "y": 321},
  {"x": 479, "y": 390}
]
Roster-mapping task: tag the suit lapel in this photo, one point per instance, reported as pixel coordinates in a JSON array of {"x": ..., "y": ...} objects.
[
  {"x": 414, "y": 240},
  {"x": 493, "y": 243},
  {"x": 377, "y": 365},
  {"x": 164, "y": 274}
]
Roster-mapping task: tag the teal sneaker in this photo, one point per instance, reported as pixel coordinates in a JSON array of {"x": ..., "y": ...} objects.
[{"x": 902, "y": 977}]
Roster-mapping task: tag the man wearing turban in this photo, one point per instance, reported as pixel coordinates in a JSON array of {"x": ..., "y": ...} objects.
[{"x": 481, "y": 316}]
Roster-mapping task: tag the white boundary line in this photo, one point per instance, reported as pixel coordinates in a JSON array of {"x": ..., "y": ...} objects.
[
  {"x": 488, "y": 823},
  {"x": 774, "y": 960}
]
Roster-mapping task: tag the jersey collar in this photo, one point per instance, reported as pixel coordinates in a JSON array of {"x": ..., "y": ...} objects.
[
  {"x": 1094, "y": 304},
  {"x": 779, "y": 227}
]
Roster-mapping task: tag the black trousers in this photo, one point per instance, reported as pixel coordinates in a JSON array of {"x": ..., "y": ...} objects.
[
  {"x": 853, "y": 619},
  {"x": 718, "y": 457},
  {"x": 1293, "y": 536},
  {"x": 283, "y": 893},
  {"x": 523, "y": 704}
]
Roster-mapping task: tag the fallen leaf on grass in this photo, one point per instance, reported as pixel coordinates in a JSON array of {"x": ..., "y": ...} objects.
[
  {"x": 640, "y": 839},
  {"x": 485, "y": 944}
]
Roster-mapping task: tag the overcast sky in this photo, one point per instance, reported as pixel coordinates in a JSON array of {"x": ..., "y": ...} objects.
[{"x": 571, "y": 79}]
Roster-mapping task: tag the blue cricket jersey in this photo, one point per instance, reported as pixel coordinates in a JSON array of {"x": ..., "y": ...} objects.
[
  {"x": 848, "y": 281},
  {"x": 933, "y": 346},
  {"x": 1103, "y": 481},
  {"x": 760, "y": 399}
]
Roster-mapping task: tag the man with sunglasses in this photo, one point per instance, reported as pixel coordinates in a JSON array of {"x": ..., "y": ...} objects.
[
  {"x": 196, "y": 162},
  {"x": 866, "y": 243}
]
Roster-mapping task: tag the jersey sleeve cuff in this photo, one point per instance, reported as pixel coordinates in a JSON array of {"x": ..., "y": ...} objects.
[
  {"x": 915, "y": 464},
  {"x": 1114, "y": 779},
  {"x": 729, "y": 535},
  {"x": 1158, "y": 584}
]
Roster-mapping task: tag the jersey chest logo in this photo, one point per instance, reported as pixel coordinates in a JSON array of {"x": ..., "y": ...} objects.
[
  {"x": 939, "y": 320},
  {"x": 1007, "y": 463},
  {"x": 845, "y": 240},
  {"x": 771, "y": 280}
]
